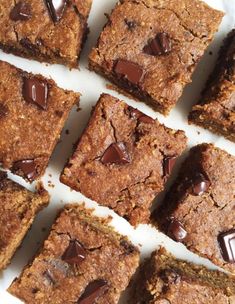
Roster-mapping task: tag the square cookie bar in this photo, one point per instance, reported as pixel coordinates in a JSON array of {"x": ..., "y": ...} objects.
[
  {"x": 163, "y": 279},
  {"x": 199, "y": 208},
  {"x": 33, "y": 111},
  {"x": 18, "y": 208},
  {"x": 45, "y": 30},
  {"x": 83, "y": 261},
  {"x": 216, "y": 111},
  {"x": 123, "y": 159},
  {"x": 150, "y": 48}
]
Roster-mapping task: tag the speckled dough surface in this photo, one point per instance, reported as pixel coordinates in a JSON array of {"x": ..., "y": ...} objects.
[
  {"x": 199, "y": 208},
  {"x": 123, "y": 159},
  {"x": 216, "y": 111},
  {"x": 33, "y": 111},
  {"x": 18, "y": 208},
  {"x": 82, "y": 261},
  {"x": 45, "y": 30},
  {"x": 165, "y": 280},
  {"x": 150, "y": 48}
]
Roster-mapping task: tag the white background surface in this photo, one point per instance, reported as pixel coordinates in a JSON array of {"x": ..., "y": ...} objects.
[{"x": 91, "y": 86}]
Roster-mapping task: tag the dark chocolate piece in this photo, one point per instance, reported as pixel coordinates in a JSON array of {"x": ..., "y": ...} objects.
[
  {"x": 56, "y": 9},
  {"x": 227, "y": 245},
  {"x": 75, "y": 253},
  {"x": 168, "y": 164},
  {"x": 129, "y": 70},
  {"x": 93, "y": 291},
  {"x": 140, "y": 116},
  {"x": 176, "y": 230},
  {"x": 160, "y": 45},
  {"x": 35, "y": 91},
  {"x": 28, "y": 167},
  {"x": 21, "y": 12},
  {"x": 3, "y": 110},
  {"x": 116, "y": 154},
  {"x": 200, "y": 184},
  {"x": 130, "y": 24},
  {"x": 49, "y": 279}
]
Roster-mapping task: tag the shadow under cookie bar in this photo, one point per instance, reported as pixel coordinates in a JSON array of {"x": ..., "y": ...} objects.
[
  {"x": 33, "y": 111},
  {"x": 216, "y": 110},
  {"x": 150, "y": 49},
  {"x": 199, "y": 208},
  {"x": 83, "y": 261},
  {"x": 123, "y": 159},
  {"x": 18, "y": 208},
  {"x": 47, "y": 31}
]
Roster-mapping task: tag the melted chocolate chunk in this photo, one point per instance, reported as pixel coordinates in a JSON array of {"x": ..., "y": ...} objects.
[
  {"x": 28, "y": 168},
  {"x": 117, "y": 154},
  {"x": 136, "y": 114},
  {"x": 160, "y": 45},
  {"x": 227, "y": 245},
  {"x": 3, "y": 110},
  {"x": 127, "y": 246},
  {"x": 93, "y": 291},
  {"x": 56, "y": 9},
  {"x": 35, "y": 91},
  {"x": 129, "y": 71},
  {"x": 176, "y": 230},
  {"x": 168, "y": 164},
  {"x": 75, "y": 253},
  {"x": 200, "y": 184},
  {"x": 21, "y": 12},
  {"x": 31, "y": 47}
]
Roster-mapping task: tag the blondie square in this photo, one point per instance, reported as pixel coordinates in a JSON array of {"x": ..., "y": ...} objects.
[
  {"x": 45, "y": 30},
  {"x": 150, "y": 48},
  {"x": 163, "y": 279},
  {"x": 82, "y": 261},
  {"x": 18, "y": 208},
  {"x": 199, "y": 208},
  {"x": 33, "y": 111},
  {"x": 216, "y": 110},
  {"x": 123, "y": 159}
]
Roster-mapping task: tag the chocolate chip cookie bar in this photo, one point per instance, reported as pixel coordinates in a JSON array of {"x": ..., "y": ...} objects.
[
  {"x": 18, "y": 208},
  {"x": 150, "y": 48},
  {"x": 163, "y": 279},
  {"x": 83, "y": 261},
  {"x": 123, "y": 159},
  {"x": 199, "y": 208},
  {"x": 45, "y": 30},
  {"x": 216, "y": 110},
  {"x": 33, "y": 111}
]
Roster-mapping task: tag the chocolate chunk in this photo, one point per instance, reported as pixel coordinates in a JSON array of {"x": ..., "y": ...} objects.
[
  {"x": 21, "y": 12},
  {"x": 35, "y": 91},
  {"x": 93, "y": 291},
  {"x": 160, "y": 45},
  {"x": 170, "y": 276},
  {"x": 129, "y": 248},
  {"x": 116, "y": 153},
  {"x": 200, "y": 184},
  {"x": 33, "y": 48},
  {"x": 136, "y": 114},
  {"x": 176, "y": 230},
  {"x": 227, "y": 245},
  {"x": 3, "y": 110},
  {"x": 168, "y": 164},
  {"x": 28, "y": 167},
  {"x": 56, "y": 9},
  {"x": 130, "y": 24},
  {"x": 129, "y": 70},
  {"x": 49, "y": 280},
  {"x": 75, "y": 253}
]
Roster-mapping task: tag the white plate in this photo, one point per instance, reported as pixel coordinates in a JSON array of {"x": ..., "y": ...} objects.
[{"x": 91, "y": 86}]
